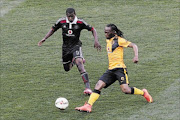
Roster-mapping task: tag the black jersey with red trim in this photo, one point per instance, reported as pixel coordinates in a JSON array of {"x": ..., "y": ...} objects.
[{"x": 71, "y": 31}]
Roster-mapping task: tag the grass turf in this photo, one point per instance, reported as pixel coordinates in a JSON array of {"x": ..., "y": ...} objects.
[{"x": 32, "y": 77}]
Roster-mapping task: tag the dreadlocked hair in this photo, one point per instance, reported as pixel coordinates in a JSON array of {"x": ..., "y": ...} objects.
[{"x": 114, "y": 27}]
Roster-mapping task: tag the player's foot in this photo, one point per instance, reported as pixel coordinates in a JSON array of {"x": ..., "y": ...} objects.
[
  {"x": 87, "y": 91},
  {"x": 147, "y": 96},
  {"x": 85, "y": 108}
]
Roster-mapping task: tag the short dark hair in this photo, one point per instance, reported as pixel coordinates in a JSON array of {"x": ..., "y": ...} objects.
[
  {"x": 114, "y": 27},
  {"x": 70, "y": 10}
]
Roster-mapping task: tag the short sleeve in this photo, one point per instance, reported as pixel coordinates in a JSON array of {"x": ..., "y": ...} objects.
[
  {"x": 87, "y": 26},
  {"x": 57, "y": 25},
  {"x": 123, "y": 42}
]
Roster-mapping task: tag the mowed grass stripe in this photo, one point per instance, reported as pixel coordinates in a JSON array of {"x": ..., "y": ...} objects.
[
  {"x": 165, "y": 106},
  {"x": 6, "y": 6}
]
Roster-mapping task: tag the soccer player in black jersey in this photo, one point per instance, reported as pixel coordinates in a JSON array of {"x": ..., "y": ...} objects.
[{"x": 71, "y": 49}]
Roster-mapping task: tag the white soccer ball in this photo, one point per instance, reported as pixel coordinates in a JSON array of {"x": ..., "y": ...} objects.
[{"x": 61, "y": 103}]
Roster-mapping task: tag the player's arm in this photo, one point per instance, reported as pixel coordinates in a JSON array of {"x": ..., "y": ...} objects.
[
  {"x": 55, "y": 27},
  {"x": 46, "y": 37},
  {"x": 96, "y": 42},
  {"x": 135, "y": 49}
]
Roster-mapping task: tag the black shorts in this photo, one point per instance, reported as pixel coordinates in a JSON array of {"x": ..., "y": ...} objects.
[
  {"x": 69, "y": 57},
  {"x": 110, "y": 76}
]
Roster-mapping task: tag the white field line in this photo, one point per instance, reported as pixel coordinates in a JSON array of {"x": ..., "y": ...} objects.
[
  {"x": 165, "y": 106},
  {"x": 5, "y": 6}
]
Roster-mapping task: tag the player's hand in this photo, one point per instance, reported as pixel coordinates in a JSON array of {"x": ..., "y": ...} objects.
[
  {"x": 40, "y": 42},
  {"x": 135, "y": 59},
  {"x": 97, "y": 46}
]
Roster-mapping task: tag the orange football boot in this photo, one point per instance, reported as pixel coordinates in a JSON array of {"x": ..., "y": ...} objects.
[
  {"x": 85, "y": 108},
  {"x": 147, "y": 96}
]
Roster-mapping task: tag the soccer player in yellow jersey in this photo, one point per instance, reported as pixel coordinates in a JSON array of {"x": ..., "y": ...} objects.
[{"x": 117, "y": 69}]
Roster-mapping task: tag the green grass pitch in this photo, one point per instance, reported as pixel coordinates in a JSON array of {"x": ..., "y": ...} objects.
[{"x": 32, "y": 77}]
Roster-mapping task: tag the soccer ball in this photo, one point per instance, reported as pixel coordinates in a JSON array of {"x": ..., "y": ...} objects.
[{"x": 61, "y": 103}]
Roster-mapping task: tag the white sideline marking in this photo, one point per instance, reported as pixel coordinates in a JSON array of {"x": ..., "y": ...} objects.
[
  {"x": 165, "y": 106},
  {"x": 5, "y": 6}
]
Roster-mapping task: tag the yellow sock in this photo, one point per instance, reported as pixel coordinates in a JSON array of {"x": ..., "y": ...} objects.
[
  {"x": 93, "y": 97},
  {"x": 138, "y": 91}
]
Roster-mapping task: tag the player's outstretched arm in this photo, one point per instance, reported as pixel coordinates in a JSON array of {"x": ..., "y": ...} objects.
[
  {"x": 47, "y": 36},
  {"x": 96, "y": 42},
  {"x": 135, "y": 49}
]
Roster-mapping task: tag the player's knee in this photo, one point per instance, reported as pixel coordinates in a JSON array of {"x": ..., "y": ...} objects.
[
  {"x": 126, "y": 90},
  {"x": 99, "y": 85},
  {"x": 79, "y": 61},
  {"x": 66, "y": 68}
]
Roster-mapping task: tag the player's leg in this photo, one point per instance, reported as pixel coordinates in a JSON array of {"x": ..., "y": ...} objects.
[
  {"x": 106, "y": 80},
  {"x": 79, "y": 61},
  {"x": 84, "y": 75},
  {"x": 122, "y": 77},
  {"x": 124, "y": 85},
  {"x": 87, "y": 107},
  {"x": 96, "y": 93},
  {"x": 133, "y": 90},
  {"x": 67, "y": 66},
  {"x": 67, "y": 62}
]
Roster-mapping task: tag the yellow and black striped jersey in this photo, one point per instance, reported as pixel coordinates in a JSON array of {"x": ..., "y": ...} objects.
[{"x": 114, "y": 48}]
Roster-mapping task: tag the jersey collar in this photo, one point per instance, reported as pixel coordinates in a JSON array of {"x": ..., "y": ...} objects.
[{"x": 74, "y": 22}]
